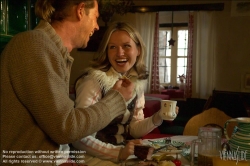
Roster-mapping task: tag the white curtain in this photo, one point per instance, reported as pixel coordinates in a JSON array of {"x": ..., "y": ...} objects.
[
  {"x": 203, "y": 60},
  {"x": 145, "y": 24}
]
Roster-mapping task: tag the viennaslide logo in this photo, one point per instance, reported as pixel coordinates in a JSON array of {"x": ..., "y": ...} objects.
[{"x": 236, "y": 155}]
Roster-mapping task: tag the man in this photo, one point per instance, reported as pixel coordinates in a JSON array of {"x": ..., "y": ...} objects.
[{"x": 37, "y": 115}]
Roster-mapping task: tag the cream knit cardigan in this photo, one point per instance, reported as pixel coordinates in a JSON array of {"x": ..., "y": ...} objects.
[{"x": 36, "y": 111}]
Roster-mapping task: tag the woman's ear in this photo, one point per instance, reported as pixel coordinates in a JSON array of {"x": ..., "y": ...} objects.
[{"x": 139, "y": 50}]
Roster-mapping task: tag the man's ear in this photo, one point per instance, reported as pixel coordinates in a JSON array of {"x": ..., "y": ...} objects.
[{"x": 80, "y": 10}]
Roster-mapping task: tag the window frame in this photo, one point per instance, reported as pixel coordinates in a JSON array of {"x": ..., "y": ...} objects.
[{"x": 174, "y": 81}]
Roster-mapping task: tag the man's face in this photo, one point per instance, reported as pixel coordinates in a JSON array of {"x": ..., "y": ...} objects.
[{"x": 88, "y": 25}]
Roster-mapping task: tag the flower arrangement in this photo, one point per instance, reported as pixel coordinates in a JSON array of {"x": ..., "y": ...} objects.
[{"x": 182, "y": 78}]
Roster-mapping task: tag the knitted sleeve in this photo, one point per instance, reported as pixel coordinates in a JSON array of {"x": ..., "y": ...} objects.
[{"x": 139, "y": 126}]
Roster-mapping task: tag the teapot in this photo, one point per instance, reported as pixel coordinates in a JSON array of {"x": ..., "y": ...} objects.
[{"x": 240, "y": 139}]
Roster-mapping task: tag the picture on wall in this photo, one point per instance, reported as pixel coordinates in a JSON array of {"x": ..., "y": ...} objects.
[
  {"x": 247, "y": 81},
  {"x": 240, "y": 8}
]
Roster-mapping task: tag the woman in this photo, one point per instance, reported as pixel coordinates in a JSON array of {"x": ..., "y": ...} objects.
[{"x": 121, "y": 54}]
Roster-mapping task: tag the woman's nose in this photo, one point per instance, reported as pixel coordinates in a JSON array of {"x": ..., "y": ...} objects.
[{"x": 120, "y": 51}]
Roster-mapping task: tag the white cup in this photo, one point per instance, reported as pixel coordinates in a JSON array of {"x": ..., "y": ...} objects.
[{"x": 168, "y": 108}]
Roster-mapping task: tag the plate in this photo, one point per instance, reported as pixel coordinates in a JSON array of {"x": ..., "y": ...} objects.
[
  {"x": 183, "y": 139},
  {"x": 156, "y": 143},
  {"x": 170, "y": 151},
  {"x": 183, "y": 143}
]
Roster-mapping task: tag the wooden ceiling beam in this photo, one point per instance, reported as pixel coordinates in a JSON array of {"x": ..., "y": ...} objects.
[{"x": 186, "y": 7}]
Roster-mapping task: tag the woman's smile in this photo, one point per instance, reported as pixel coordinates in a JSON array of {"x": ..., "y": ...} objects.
[{"x": 121, "y": 62}]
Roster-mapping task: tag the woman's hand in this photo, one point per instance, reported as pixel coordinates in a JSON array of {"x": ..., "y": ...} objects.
[{"x": 128, "y": 149}]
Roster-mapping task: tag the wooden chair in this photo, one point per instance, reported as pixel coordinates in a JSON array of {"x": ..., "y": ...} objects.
[{"x": 210, "y": 117}]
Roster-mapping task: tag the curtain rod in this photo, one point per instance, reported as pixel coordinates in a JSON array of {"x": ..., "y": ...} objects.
[{"x": 184, "y": 7}]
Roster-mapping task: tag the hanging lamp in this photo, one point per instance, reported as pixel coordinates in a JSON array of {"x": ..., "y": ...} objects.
[{"x": 171, "y": 41}]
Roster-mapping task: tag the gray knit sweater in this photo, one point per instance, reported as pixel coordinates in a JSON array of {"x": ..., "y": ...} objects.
[{"x": 36, "y": 111}]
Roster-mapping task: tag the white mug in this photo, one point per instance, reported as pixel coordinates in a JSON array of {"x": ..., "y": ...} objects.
[{"x": 168, "y": 109}]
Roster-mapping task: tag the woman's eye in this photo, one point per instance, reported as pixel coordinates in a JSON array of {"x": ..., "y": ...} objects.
[
  {"x": 127, "y": 46},
  {"x": 111, "y": 47}
]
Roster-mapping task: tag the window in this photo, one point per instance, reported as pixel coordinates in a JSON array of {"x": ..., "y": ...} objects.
[{"x": 172, "y": 59}]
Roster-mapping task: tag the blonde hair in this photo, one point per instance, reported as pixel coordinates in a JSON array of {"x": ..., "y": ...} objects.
[
  {"x": 101, "y": 62},
  {"x": 50, "y": 10}
]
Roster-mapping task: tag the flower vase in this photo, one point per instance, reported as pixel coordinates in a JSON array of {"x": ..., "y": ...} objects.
[{"x": 182, "y": 86}]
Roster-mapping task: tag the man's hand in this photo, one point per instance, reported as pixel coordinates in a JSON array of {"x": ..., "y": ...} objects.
[
  {"x": 125, "y": 87},
  {"x": 129, "y": 149}
]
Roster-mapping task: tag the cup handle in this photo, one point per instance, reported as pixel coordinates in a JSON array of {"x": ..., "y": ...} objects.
[{"x": 225, "y": 127}]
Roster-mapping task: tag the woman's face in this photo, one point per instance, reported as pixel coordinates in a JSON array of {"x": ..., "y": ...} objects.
[{"x": 122, "y": 51}]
